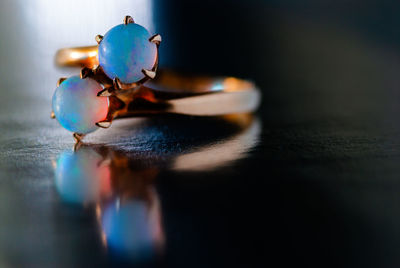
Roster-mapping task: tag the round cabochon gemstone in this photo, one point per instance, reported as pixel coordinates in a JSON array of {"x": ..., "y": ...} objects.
[
  {"x": 76, "y": 105},
  {"x": 125, "y": 51}
]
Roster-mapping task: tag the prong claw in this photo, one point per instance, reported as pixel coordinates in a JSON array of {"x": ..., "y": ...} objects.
[
  {"x": 103, "y": 124},
  {"x": 128, "y": 19},
  {"x": 149, "y": 74},
  {"x": 98, "y": 38},
  {"x": 60, "y": 81},
  {"x": 96, "y": 69},
  {"x": 116, "y": 83},
  {"x": 52, "y": 115},
  {"x": 107, "y": 92},
  {"x": 85, "y": 72},
  {"x": 78, "y": 137},
  {"x": 156, "y": 39}
]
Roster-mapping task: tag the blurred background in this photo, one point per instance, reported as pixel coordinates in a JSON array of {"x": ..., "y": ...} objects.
[{"x": 311, "y": 179}]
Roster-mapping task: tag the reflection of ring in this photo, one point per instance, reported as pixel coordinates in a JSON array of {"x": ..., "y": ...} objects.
[
  {"x": 108, "y": 89},
  {"x": 119, "y": 183}
]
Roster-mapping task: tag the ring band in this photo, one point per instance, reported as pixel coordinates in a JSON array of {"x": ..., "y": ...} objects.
[
  {"x": 175, "y": 93},
  {"x": 111, "y": 84}
]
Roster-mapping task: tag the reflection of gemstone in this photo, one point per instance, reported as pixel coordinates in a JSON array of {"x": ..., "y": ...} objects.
[
  {"x": 130, "y": 230},
  {"x": 125, "y": 50},
  {"x": 76, "y": 105},
  {"x": 80, "y": 178}
]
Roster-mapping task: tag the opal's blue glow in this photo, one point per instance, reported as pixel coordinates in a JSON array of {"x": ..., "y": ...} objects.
[
  {"x": 80, "y": 179},
  {"x": 76, "y": 105},
  {"x": 125, "y": 50},
  {"x": 130, "y": 230}
]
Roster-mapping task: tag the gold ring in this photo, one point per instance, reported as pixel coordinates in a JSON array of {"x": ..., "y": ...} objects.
[{"x": 95, "y": 98}]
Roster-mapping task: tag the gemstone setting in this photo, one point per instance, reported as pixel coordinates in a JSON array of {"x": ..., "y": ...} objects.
[
  {"x": 125, "y": 50},
  {"x": 76, "y": 105}
]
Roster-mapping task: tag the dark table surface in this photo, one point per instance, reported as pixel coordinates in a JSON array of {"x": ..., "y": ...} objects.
[{"x": 312, "y": 178}]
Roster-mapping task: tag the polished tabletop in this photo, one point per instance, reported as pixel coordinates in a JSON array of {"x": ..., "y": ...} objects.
[{"x": 312, "y": 178}]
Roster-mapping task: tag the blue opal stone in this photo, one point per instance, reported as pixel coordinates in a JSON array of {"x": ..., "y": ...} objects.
[
  {"x": 125, "y": 50},
  {"x": 76, "y": 105}
]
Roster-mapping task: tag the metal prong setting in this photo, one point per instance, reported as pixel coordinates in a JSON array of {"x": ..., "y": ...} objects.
[
  {"x": 52, "y": 115},
  {"x": 103, "y": 124},
  {"x": 156, "y": 39},
  {"x": 148, "y": 73},
  {"x": 85, "y": 72},
  {"x": 107, "y": 92},
  {"x": 113, "y": 86},
  {"x": 96, "y": 69},
  {"x": 117, "y": 83},
  {"x": 78, "y": 137},
  {"x": 98, "y": 38},
  {"x": 128, "y": 19},
  {"x": 60, "y": 81}
]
